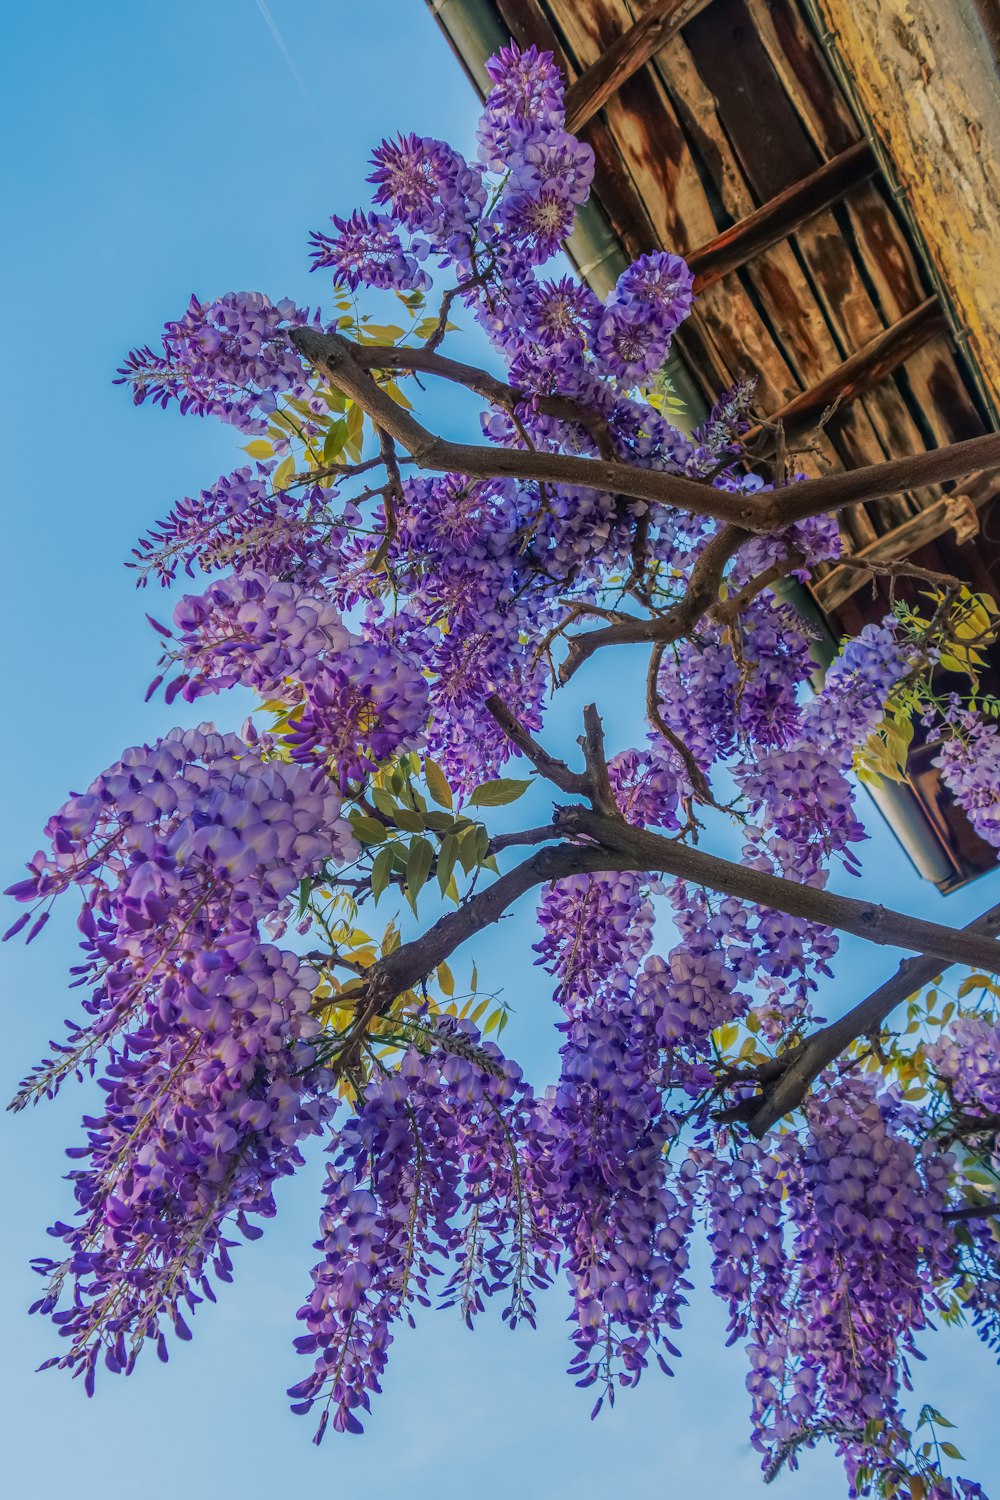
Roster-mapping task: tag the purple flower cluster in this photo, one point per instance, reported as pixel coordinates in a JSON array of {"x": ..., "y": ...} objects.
[
  {"x": 870, "y": 1245},
  {"x": 357, "y": 701},
  {"x": 596, "y": 1153},
  {"x": 426, "y": 1181},
  {"x": 652, "y": 298},
  {"x": 857, "y": 688},
  {"x": 970, "y": 768},
  {"x": 967, "y": 1057},
  {"x": 595, "y": 930},
  {"x": 182, "y": 850},
  {"x": 230, "y": 358},
  {"x": 242, "y": 521}
]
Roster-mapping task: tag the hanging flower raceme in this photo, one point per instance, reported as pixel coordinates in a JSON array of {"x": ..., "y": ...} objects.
[
  {"x": 870, "y": 1247},
  {"x": 356, "y": 701},
  {"x": 596, "y": 1153},
  {"x": 230, "y": 358},
  {"x": 970, "y": 768},
  {"x": 182, "y": 850},
  {"x": 426, "y": 1181},
  {"x": 242, "y": 521}
]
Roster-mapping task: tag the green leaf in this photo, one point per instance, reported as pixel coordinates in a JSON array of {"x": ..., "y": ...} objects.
[
  {"x": 333, "y": 443},
  {"x": 382, "y": 870},
  {"x": 418, "y": 865},
  {"x": 369, "y": 830},
  {"x": 447, "y": 856},
  {"x": 951, "y": 1450},
  {"x": 437, "y": 783},
  {"x": 496, "y": 793},
  {"x": 259, "y": 448},
  {"x": 445, "y": 979},
  {"x": 411, "y": 822},
  {"x": 467, "y": 848}
]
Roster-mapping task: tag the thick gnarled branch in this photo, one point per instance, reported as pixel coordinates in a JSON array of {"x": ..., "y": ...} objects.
[
  {"x": 762, "y": 513},
  {"x": 803, "y": 1064}
]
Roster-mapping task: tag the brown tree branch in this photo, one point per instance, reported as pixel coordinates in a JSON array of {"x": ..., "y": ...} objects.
[
  {"x": 696, "y": 776},
  {"x": 803, "y": 1064},
  {"x": 763, "y": 513},
  {"x": 592, "y": 744},
  {"x": 628, "y": 848},
  {"x": 556, "y": 771},
  {"x": 877, "y": 924},
  {"x": 701, "y": 594},
  {"x": 425, "y": 361}
]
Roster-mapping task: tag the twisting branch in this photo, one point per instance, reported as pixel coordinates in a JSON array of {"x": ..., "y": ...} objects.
[
  {"x": 615, "y": 844},
  {"x": 393, "y": 498},
  {"x": 441, "y": 326},
  {"x": 337, "y": 357},
  {"x": 554, "y": 770},
  {"x": 800, "y": 1066},
  {"x": 425, "y": 361},
  {"x": 592, "y": 744},
  {"x": 697, "y": 779},
  {"x": 701, "y": 594},
  {"x": 542, "y": 835}
]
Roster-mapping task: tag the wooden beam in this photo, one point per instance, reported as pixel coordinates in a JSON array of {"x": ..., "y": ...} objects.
[
  {"x": 956, "y": 512},
  {"x": 780, "y": 217},
  {"x": 626, "y": 56},
  {"x": 859, "y": 372}
]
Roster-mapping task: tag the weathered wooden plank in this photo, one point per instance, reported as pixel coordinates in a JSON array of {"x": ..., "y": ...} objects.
[
  {"x": 659, "y": 158},
  {"x": 810, "y": 335},
  {"x": 931, "y": 378},
  {"x": 625, "y": 56},
  {"x": 805, "y": 73},
  {"x": 770, "y": 141},
  {"x": 860, "y": 371},
  {"x": 785, "y": 212},
  {"x": 955, "y": 512}
]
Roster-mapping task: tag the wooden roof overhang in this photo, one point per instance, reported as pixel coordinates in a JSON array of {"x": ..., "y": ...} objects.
[{"x": 730, "y": 131}]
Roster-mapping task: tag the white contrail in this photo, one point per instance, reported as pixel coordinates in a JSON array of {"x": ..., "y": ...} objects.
[{"x": 279, "y": 42}]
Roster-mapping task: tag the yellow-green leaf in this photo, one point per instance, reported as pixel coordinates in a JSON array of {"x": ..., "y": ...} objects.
[
  {"x": 445, "y": 979},
  {"x": 418, "y": 865},
  {"x": 496, "y": 793},
  {"x": 437, "y": 783},
  {"x": 369, "y": 830}
]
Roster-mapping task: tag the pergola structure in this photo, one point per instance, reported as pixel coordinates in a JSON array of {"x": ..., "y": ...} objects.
[{"x": 824, "y": 167}]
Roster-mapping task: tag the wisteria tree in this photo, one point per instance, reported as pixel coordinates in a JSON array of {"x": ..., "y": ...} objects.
[{"x": 407, "y": 608}]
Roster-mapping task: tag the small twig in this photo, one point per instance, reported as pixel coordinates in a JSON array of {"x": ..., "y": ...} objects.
[
  {"x": 989, "y": 1210},
  {"x": 546, "y": 765},
  {"x": 523, "y": 836},
  {"x": 695, "y": 775},
  {"x": 903, "y": 569},
  {"x": 441, "y": 326},
  {"x": 393, "y": 497}
]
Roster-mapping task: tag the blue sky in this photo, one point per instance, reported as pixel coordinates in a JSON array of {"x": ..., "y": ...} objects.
[{"x": 155, "y": 150}]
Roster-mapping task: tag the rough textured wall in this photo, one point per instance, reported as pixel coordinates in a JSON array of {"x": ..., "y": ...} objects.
[{"x": 926, "y": 77}]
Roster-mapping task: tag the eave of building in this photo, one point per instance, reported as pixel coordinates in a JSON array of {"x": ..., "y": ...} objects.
[{"x": 809, "y": 271}]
